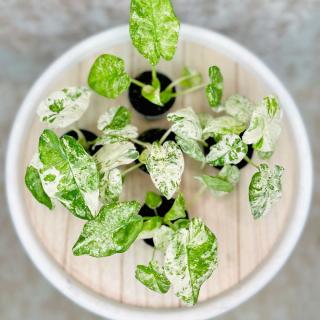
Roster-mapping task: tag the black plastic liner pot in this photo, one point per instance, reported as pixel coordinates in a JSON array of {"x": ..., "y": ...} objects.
[
  {"x": 148, "y": 109},
  {"x": 150, "y": 136},
  {"x": 145, "y": 211}
]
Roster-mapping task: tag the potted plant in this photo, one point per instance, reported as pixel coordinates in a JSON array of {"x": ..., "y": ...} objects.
[{"x": 88, "y": 182}]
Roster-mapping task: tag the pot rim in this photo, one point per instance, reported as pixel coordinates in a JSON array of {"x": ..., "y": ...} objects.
[{"x": 103, "y": 306}]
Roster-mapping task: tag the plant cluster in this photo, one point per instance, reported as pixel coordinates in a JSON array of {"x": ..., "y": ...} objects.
[{"x": 90, "y": 186}]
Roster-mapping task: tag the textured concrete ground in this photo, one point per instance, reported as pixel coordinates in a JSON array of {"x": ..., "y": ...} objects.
[{"x": 284, "y": 33}]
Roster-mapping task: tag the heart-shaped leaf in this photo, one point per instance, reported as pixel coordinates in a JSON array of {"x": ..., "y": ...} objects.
[
  {"x": 108, "y": 77},
  {"x": 152, "y": 94},
  {"x": 264, "y": 189},
  {"x": 191, "y": 148},
  {"x": 154, "y": 29},
  {"x": 114, "y": 118},
  {"x": 214, "y": 89},
  {"x": 190, "y": 259},
  {"x": 64, "y": 107},
  {"x": 149, "y": 227},
  {"x": 112, "y": 231},
  {"x": 153, "y": 200},
  {"x": 192, "y": 78},
  {"x": 162, "y": 237},
  {"x": 229, "y": 150},
  {"x": 165, "y": 164},
  {"x": 239, "y": 107}
]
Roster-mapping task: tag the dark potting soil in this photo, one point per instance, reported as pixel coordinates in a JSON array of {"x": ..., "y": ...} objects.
[
  {"x": 144, "y": 106},
  {"x": 90, "y": 136},
  {"x": 145, "y": 211},
  {"x": 151, "y": 136}
]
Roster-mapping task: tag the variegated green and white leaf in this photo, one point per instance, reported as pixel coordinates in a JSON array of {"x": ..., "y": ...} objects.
[
  {"x": 214, "y": 89},
  {"x": 217, "y": 127},
  {"x": 114, "y": 118},
  {"x": 69, "y": 174},
  {"x": 192, "y": 78},
  {"x": 177, "y": 210},
  {"x": 64, "y": 107},
  {"x": 239, "y": 107},
  {"x": 111, "y": 156},
  {"x": 185, "y": 124},
  {"x": 264, "y": 189},
  {"x": 154, "y": 29},
  {"x": 190, "y": 259},
  {"x": 264, "y": 128},
  {"x": 165, "y": 164},
  {"x": 153, "y": 277},
  {"x": 162, "y": 237},
  {"x": 191, "y": 148},
  {"x": 152, "y": 94},
  {"x": 229, "y": 150},
  {"x": 150, "y": 226},
  {"x": 110, "y": 136},
  {"x": 110, "y": 186},
  {"x": 108, "y": 77},
  {"x": 113, "y": 230}
]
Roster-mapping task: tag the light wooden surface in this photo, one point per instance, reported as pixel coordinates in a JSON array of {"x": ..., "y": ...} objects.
[{"x": 243, "y": 242}]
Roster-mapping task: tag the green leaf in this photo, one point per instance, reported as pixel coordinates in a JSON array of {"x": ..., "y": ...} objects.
[
  {"x": 264, "y": 189},
  {"x": 111, "y": 156},
  {"x": 166, "y": 96},
  {"x": 114, "y": 118},
  {"x": 190, "y": 259},
  {"x": 34, "y": 184},
  {"x": 219, "y": 126},
  {"x": 195, "y": 78},
  {"x": 265, "y": 155},
  {"x": 162, "y": 238},
  {"x": 214, "y": 90},
  {"x": 165, "y": 164},
  {"x": 229, "y": 150},
  {"x": 153, "y": 200},
  {"x": 264, "y": 128},
  {"x": 69, "y": 174},
  {"x": 154, "y": 29},
  {"x": 181, "y": 223},
  {"x": 64, "y": 107},
  {"x": 177, "y": 210},
  {"x": 239, "y": 107},
  {"x": 191, "y": 148},
  {"x": 110, "y": 186},
  {"x": 185, "y": 124},
  {"x": 153, "y": 277},
  {"x": 108, "y": 77},
  {"x": 224, "y": 182},
  {"x": 149, "y": 227},
  {"x": 152, "y": 94},
  {"x": 112, "y": 231}
]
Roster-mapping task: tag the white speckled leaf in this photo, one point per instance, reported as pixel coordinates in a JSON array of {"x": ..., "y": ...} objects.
[
  {"x": 165, "y": 164},
  {"x": 114, "y": 118},
  {"x": 219, "y": 126},
  {"x": 162, "y": 238},
  {"x": 239, "y": 107},
  {"x": 191, "y": 148},
  {"x": 264, "y": 189},
  {"x": 114, "y": 155},
  {"x": 185, "y": 124},
  {"x": 110, "y": 186},
  {"x": 64, "y": 107},
  {"x": 214, "y": 90},
  {"x": 190, "y": 259},
  {"x": 264, "y": 128},
  {"x": 110, "y": 136},
  {"x": 69, "y": 174},
  {"x": 112, "y": 231},
  {"x": 229, "y": 150},
  {"x": 153, "y": 277},
  {"x": 154, "y": 29}
]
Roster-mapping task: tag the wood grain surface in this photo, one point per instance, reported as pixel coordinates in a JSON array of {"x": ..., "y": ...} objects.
[{"x": 243, "y": 242}]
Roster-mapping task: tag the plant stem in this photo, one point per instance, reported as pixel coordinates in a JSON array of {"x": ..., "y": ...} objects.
[
  {"x": 153, "y": 253},
  {"x": 203, "y": 143},
  {"x": 180, "y": 93},
  {"x": 165, "y": 135},
  {"x": 132, "y": 168},
  {"x": 171, "y": 225},
  {"x": 246, "y": 158},
  {"x": 81, "y": 138},
  {"x": 155, "y": 80},
  {"x": 179, "y": 80},
  {"x": 197, "y": 195},
  {"x": 156, "y": 211},
  {"x": 137, "y": 82},
  {"x": 145, "y": 145}
]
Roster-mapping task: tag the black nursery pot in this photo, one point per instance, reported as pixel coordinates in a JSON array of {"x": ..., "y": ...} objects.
[
  {"x": 145, "y": 211},
  {"x": 90, "y": 136},
  {"x": 151, "y": 136},
  {"x": 210, "y": 141},
  {"x": 148, "y": 109}
]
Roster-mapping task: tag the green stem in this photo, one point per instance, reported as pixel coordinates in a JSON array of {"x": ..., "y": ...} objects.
[
  {"x": 165, "y": 135},
  {"x": 137, "y": 82},
  {"x": 155, "y": 80},
  {"x": 143, "y": 144},
  {"x": 179, "y": 80},
  {"x": 153, "y": 253},
  {"x": 197, "y": 195},
  {"x": 81, "y": 138},
  {"x": 180, "y": 93},
  {"x": 246, "y": 158},
  {"x": 132, "y": 168},
  {"x": 156, "y": 211},
  {"x": 203, "y": 143},
  {"x": 171, "y": 225}
]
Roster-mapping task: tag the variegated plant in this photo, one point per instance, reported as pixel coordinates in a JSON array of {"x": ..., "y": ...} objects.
[{"x": 91, "y": 186}]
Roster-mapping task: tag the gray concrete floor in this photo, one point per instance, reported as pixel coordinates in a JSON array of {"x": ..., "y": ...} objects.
[{"x": 285, "y": 34}]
